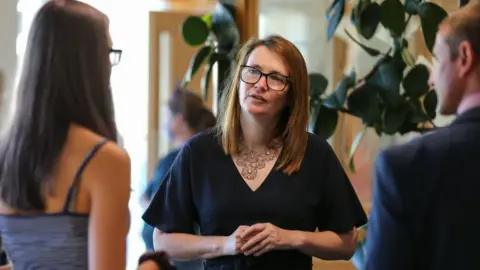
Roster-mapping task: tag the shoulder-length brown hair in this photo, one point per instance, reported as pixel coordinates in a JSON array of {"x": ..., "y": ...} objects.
[
  {"x": 193, "y": 109},
  {"x": 294, "y": 121},
  {"x": 65, "y": 79}
]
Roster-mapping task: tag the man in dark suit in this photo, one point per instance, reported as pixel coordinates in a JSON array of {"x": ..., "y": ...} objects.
[{"x": 427, "y": 192}]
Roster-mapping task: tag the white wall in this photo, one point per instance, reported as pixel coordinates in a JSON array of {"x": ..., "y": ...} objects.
[
  {"x": 8, "y": 57},
  {"x": 303, "y": 23}
]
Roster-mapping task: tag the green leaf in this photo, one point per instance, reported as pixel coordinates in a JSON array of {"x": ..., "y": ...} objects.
[
  {"x": 356, "y": 142},
  {"x": 225, "y": 28},
  {"x": 196, "y": 62},
  {"x": 430, "y": 104},
  {"x": 394, "y": 119},
  {"x": 387, "y": 74},
  {"x": 315, "y": 105},
  {"x": 207, "y": 18},
  {"x": 363, "y": 103},
  {"x": 431, "y": 15},
  {"x": 393, "y": 16},
  {"x": 337, "y": 98},
  {"x": 412, "y": 6},
  {"x": 368, "y": 20},
  {"x": 415, "y": 83},
  {"x": 334, "y": 16},
  {"x": 462, "y": 3},
  {"x": 391, "y": 99},
  {"x": 370, "y": 51},
  {"x": 318, "y": 84},
  {"x": 378, "y": 125},
  {"x": 416, "y": 114},
  {"x": 324, "y": 121},
  {"x": 205, "y": 84},
  {"x": 195, "y": 31}
]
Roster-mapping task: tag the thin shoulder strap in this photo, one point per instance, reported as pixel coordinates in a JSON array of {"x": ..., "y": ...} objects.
[{"x": 73, "y": 190}]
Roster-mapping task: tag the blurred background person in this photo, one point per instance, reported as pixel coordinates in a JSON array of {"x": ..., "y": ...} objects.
[{"x": 187, "y": 115}]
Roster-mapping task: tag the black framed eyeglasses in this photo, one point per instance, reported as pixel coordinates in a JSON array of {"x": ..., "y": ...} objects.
[
  {"x": 115, "y": 56},
  {"x": 275, "y": 81}
]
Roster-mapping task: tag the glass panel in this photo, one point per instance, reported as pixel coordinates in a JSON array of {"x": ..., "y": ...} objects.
[{"x": 303, "y": 23}]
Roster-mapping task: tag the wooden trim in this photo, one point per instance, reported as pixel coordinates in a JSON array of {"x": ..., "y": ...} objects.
[
  {"x": 247, "y": 12},
  {"x": 153, "y": 94},
  {"x": 166, "y": 19},
  {"x": 342, "y": 137}
]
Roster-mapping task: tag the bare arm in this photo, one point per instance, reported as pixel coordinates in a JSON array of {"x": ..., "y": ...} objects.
[
  {"x": 6, "y": 267},
  {"x": 328, "y": 245},
  {"x": 325, "y": 245},
  {"x": 109, "y": 215},
  {"x": 187, "y": 246}
]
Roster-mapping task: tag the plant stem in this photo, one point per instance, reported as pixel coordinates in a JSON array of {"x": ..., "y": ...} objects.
[{"x": 406, "y": 24}]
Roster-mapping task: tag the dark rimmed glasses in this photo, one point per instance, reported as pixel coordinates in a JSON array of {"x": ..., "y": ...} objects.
[
  {"x": 115, "y": 56},
  {"x": 275, "y": 81}
]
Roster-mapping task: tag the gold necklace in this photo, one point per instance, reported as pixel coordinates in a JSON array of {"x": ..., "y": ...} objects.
[{"x": 250, "y": 161}]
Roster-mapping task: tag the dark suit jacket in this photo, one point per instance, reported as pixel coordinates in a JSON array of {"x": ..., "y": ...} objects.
[{"x": 426, "y": 201}]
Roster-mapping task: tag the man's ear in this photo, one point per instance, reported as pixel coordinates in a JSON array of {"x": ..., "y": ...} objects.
[{"x": 466, "y": 57}]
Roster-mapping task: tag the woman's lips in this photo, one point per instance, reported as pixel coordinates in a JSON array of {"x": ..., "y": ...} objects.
[{"x": 258, "y": 97}]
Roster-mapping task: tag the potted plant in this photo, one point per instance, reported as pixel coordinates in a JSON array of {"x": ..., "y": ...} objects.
[{"x": 218, "y": 36}]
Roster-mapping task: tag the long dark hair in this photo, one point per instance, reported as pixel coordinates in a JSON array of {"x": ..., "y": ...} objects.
[
  {"x": 192, "y": 107},
  {"x": 65, "y": 79}
]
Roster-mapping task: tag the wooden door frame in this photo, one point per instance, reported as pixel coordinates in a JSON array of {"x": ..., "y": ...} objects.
[{"x": 247, "y": 12}]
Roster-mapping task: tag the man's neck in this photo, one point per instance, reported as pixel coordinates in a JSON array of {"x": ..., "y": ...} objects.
[
  {"x": 469, "y": 101},
  {"x": 257, "y": 132}
]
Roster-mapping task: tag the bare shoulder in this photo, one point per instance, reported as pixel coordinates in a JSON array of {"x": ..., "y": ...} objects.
[{"x": 110, "y": 161}]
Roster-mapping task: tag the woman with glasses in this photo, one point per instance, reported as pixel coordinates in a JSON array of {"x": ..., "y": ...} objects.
[
  {"x": 64, "y": 182},
  {"x": 265, "y": 193}
]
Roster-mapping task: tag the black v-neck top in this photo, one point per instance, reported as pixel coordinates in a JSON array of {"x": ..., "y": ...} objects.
[{"x": 204, "y": 187}]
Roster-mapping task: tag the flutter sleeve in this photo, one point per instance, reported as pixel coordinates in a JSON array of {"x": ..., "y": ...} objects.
[
  {"x": 172, "y": 209},
  {"x": 341, "y": 208}
]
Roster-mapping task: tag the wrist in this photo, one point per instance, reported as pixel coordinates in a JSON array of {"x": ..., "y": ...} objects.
[
  {"x": 295, "y": 239},
  {"x": 221, "y": 246}
]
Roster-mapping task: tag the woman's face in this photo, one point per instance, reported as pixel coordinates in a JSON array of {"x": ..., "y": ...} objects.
[{"x": 264, "y": 84}]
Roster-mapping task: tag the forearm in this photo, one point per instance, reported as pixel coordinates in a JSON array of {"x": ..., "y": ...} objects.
[
  {"x": 188, "y": 247},
  {"x": 324, "y": 245}
]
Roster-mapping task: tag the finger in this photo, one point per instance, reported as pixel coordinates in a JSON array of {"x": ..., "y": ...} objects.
[
  {"x": 252, "y": 230},
  {"x": 255, "y": 240},
  {"x": 258, "y": 247},
  {"x": 242, "y": 227},
  {"x": 263, "y": 251}
]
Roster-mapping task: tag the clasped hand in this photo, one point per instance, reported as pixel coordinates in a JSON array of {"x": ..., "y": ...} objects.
[{"x": 256, "y": 239}]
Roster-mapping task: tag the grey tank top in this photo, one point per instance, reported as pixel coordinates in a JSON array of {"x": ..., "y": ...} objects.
[{"x": 57, "y": 241}]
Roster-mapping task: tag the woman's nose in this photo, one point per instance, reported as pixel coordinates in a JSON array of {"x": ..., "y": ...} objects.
[{"x": 262, "y": 83}]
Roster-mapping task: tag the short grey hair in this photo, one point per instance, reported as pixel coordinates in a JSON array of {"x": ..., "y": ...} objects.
[{"x": 464, "y": 26}]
